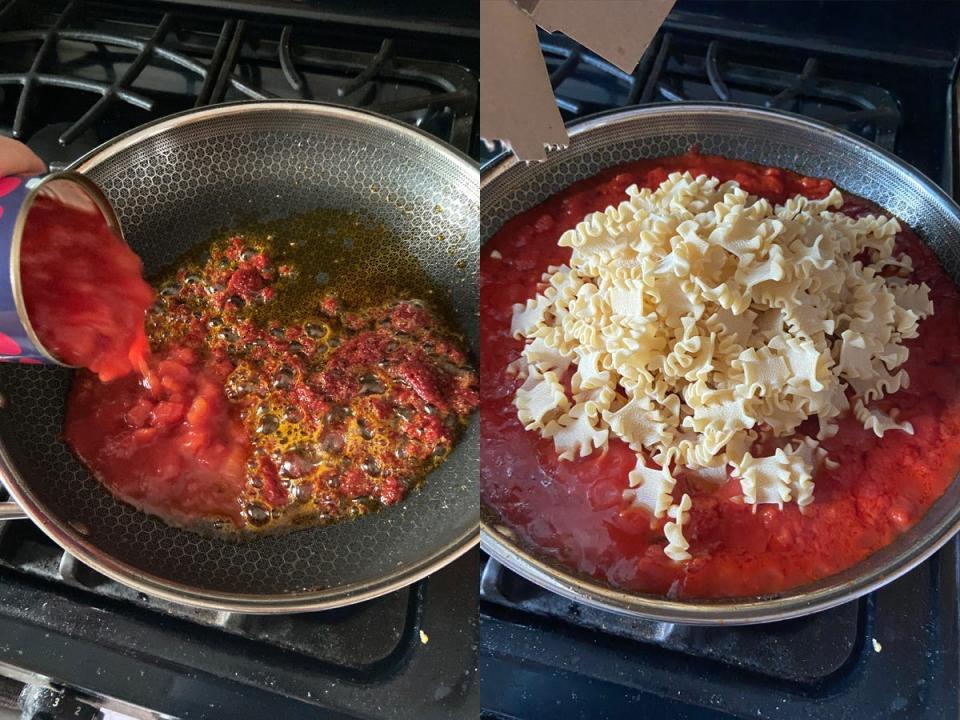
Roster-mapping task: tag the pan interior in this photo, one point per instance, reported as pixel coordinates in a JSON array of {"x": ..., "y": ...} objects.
[
  {"x": 509, "y": 188},
  {"x": 175, "y": 184}
]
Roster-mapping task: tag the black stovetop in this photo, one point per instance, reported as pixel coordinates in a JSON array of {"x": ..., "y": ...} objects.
[
  {"x": 73, "y": 74},
  {"x": 891, "y": 654}
]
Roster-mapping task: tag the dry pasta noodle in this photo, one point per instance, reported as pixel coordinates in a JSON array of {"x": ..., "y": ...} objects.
[{"x": 696, "y": 317}]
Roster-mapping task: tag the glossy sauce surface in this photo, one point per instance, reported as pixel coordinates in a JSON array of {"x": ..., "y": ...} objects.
[
  {"x": 267, "y": 400},
  {"x": 574, "y": 510}
]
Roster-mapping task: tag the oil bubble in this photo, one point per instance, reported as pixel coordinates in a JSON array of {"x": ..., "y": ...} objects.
[{"x": 268, "y": 424}]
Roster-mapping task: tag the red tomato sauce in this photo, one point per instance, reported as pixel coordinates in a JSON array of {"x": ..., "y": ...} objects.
[
  {"x": 168, "y": 443},
  {"x": 574, "y": 512},
  {"x": 246, "y": 418},
  {"x": 84, "y": 289}
]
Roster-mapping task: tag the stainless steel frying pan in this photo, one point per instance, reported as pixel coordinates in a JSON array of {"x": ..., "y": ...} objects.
[
  {"x": 509, "y": 187},
  {"x": 173, "y": 183}
]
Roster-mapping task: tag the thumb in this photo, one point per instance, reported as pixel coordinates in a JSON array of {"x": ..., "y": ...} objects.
[{"x": 16, "y": 158}]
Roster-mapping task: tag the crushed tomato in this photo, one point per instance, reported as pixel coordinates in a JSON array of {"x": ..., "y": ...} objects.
[
  {"x": 84, "y": 289},
  {"x": 241, "y": 421},
  {"x": 574, "y": 511}
]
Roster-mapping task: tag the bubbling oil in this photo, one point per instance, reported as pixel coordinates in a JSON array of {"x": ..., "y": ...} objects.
[
  {"x": 345, "y": 253},
  {"x": 315, "y": 256}
]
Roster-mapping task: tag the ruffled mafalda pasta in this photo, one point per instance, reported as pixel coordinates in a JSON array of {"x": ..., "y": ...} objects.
[{"x": 694, "y": 317}]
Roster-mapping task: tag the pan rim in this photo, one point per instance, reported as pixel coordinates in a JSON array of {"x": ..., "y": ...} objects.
[
  {"x": 793, "y": 603},
  {"x": 72, "y": 541},
  {"x": 126, "y": 139}
]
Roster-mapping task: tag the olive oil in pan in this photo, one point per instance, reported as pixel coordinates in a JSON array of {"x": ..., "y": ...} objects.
[
  {"x": 321, "y": 254},
  {"x": 347, "y": 253}
]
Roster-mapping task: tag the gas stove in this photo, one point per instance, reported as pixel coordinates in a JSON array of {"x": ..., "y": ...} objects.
[
  {"x": 75, "y": 73},
  {"x": 892, "y": 653}
]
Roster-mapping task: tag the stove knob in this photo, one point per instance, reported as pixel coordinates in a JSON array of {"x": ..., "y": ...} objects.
[{"x": 43, "y": 703}]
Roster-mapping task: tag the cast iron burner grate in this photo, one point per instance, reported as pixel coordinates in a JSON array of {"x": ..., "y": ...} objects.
[
  {"x": 681, "y": 67},
  {"x": 830, "y": 637},
  {"x": 892, "y": 652},
  {"x": 408, "y": 654},
  {"x": 75, "y": 73}
]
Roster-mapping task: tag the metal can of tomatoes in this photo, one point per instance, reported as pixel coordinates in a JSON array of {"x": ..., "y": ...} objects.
[{"x": 19, "y": 195}]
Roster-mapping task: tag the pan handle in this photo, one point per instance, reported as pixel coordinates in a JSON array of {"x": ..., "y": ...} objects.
[{"x": 11, "y": 511}]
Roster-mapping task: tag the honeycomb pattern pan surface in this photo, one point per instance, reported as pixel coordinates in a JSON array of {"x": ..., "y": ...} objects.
[
  {"x": 508, "y": 187},
  {"x": 175, "y": 182}
]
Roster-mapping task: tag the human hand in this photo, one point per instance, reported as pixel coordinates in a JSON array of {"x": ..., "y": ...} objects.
[{"x": 16, "y": 158}]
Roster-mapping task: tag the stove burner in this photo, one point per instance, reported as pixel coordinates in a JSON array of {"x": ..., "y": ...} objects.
[
  {"x": 143, "y": 64},
  {"x": 677, "y": 68},
  {"x": 120, "y": 90}
]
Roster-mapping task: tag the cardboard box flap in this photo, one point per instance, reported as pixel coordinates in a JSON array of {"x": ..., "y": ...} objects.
[
  {"x": 516, "y": 101},
  {"x": 616, "y": 30},
  {"x": 517, "y": 104}
]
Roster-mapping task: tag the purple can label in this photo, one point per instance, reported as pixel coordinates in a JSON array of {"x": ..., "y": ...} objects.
[{"x": 17, "y": 340}]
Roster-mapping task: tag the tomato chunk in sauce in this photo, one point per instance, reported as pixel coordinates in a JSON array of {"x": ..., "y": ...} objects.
[
  {"x": 245, "y": 420},
  {"x": 168, "y": 443},
  {"x": 84, "y": 289},
  {"x": 574, "y": 511}
]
